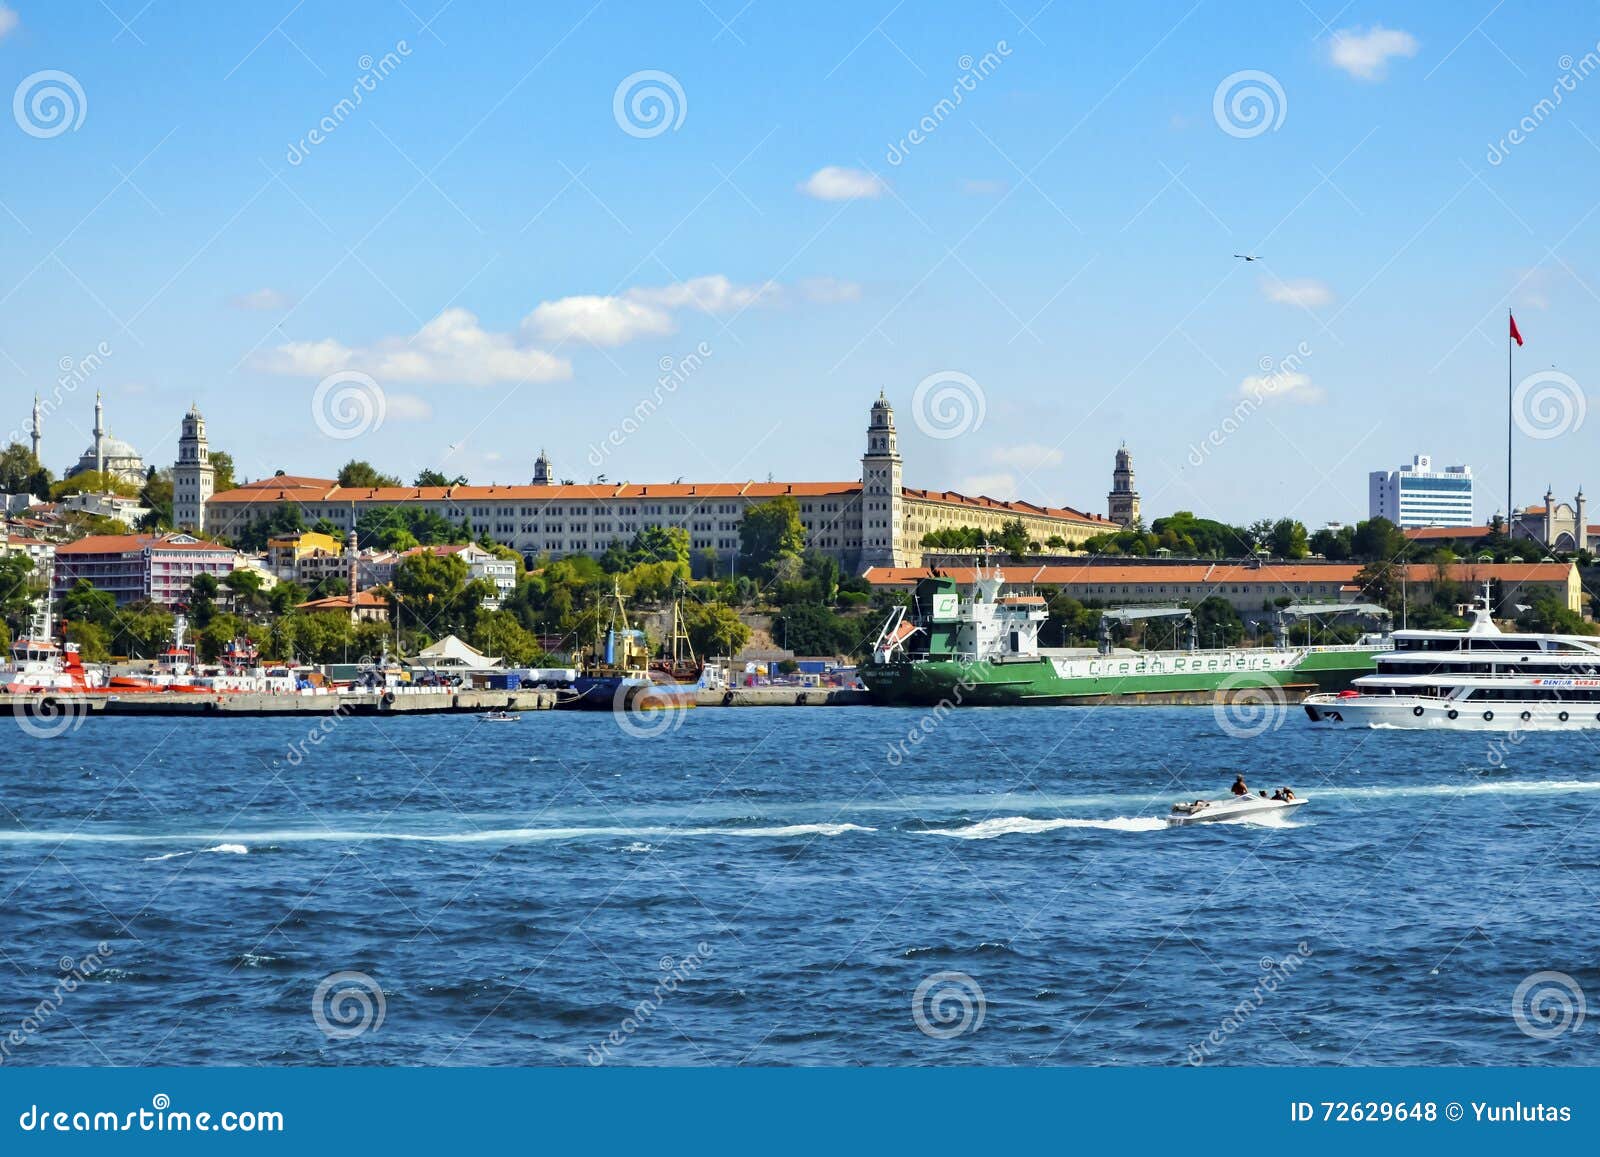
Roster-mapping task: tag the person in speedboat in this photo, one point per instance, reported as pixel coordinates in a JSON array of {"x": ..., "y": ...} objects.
[{"x": 1239, "y": 785}]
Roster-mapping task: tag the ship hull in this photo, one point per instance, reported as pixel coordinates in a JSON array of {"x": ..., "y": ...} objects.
[{"x": 1201, "y": 677}]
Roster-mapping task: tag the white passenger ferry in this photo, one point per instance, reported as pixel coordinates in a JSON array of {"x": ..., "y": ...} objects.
[{"x": 1478, "y": 679}]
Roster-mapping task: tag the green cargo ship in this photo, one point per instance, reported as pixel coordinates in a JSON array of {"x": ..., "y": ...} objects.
[{"x": 984, "y": 651}]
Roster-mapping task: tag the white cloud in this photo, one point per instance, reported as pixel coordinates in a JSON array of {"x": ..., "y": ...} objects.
[
  {"x": 1027, "y": 456},
  {"x": 1306, "y": 293},
  {"x": 605, "y": 321},
  {"x": 616, "y": 319},
  {"x": 263, "y": 299},
  {"x": 980, "y": 187},
  {"x": 407, "y": 407},
  {"x": 452, "y": 348},
  {"x": 1366, "y": 55},
  {"x": 1001, "y": 486},
  {"x": 713, "y": 294},
  {"x": 829, "y": 290},
  {"x": 1286, "y": 387},
  {"x": 8, "y": 19},
  {"x": 837, "y": 184}
]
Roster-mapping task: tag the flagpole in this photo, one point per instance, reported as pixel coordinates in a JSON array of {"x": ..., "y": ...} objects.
[{"x": 1509, "y": 422}]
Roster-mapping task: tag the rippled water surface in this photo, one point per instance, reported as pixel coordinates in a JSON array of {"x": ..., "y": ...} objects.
[{"x": 771, "y": 887}]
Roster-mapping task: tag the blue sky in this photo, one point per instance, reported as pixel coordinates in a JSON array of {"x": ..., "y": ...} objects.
[{"x": 484, "y": 239}]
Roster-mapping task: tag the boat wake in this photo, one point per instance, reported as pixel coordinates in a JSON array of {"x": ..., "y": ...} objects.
[
  {"x": 234, "y": 849},
  {"x": 637, "y": 835},
  {"x": 1028, "y": 825}
]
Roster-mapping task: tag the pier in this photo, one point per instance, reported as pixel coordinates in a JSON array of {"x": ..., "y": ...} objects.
[{"x": 369, "y": 703}]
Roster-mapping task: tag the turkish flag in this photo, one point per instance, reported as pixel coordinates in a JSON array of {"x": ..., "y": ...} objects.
[{"x": 1515, "y": 336}]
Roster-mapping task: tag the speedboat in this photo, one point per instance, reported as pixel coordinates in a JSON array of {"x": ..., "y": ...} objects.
[
  {"x": 1205, "y": 811},
  {"x": 501, "y": 717}
]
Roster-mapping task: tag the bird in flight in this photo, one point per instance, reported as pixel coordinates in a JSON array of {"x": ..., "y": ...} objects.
[{"x": 1247, "y": 257}]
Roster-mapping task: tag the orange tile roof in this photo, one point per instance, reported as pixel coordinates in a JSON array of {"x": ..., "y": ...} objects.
[
  {"x": 984, "y": 502},
  {"x": 129, "y": 543},
  {"x": 366, "y": 598},
  {"x": 1271, "y": 574},
  {"x": 1426, "y": 533}
]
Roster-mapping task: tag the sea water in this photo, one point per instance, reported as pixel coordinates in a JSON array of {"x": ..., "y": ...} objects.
[{"x": 771, "y": 887}]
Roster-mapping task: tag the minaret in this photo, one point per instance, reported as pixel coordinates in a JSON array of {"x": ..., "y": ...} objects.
[
  {"x": 882, "y": 496},
  {"x": 352, "y": 554},
  {"x": 99, "y": 434},
  {"x": 542, "y": 470},
  {"x": 38, "y": 429},
  {"x": 1581, "y": 537},
  {"x": 1549, "y": 515},
  {"x": 192, "y": 475},
  {"x": 1122, "y": 504}
]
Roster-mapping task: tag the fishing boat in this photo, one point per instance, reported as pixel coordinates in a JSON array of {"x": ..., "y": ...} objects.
[
  {"x": 615, "y": 675},
  {"x": 501, "y": 717},
  {"x": 677, "y": 659},
  {"x": 984, "y": 650},
  {"x": 40, "y": 664},
  {"x": 1477, "y": 679}
]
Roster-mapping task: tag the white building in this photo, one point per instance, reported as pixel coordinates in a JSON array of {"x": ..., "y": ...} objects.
[{"x": 1420, "y": 495}]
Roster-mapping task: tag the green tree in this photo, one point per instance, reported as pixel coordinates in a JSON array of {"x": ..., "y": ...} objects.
[
  {"x": 221, "y": 471},
  {"x": 91, "y": 639},
  {"x": 770, "y": 532},
  {"x": 1217, "y": 623},
  {"x": 157, "y": 495},
  {"x": 86, "y": 603},
  {"x": 21, "y": 473},
  {"x": 812, "y": 630},
  {"x": 244, "y": 586},
  {"x": 1287, "y": 539},
  {"x": 364, "y": 476},
  {"x": 430, "y": 477},
  {"x": 282, "y": 520},
  {"x": 714, "y": 629},
  {"x": 19, "y": 587},
  {"x": 203, "y": 590},
  {"x": 93, "y": 482}
]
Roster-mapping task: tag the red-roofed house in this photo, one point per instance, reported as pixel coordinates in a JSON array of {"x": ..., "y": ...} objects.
[
  {"x": 1248, "y": 588},
  {"x": 157, "y": 567}
]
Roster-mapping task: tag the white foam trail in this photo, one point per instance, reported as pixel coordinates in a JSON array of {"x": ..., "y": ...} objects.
[
  {"x": 236, "y": 849},
  {"x": 1027, "y": 825},
  {"x": 1481, "y": 787},
  {"x": 495, "y": 836}
]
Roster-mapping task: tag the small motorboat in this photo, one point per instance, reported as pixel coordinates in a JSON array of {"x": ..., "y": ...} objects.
[
  {"x": 1205, "y": 811},
  {"x": 501, "y": 717}
]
